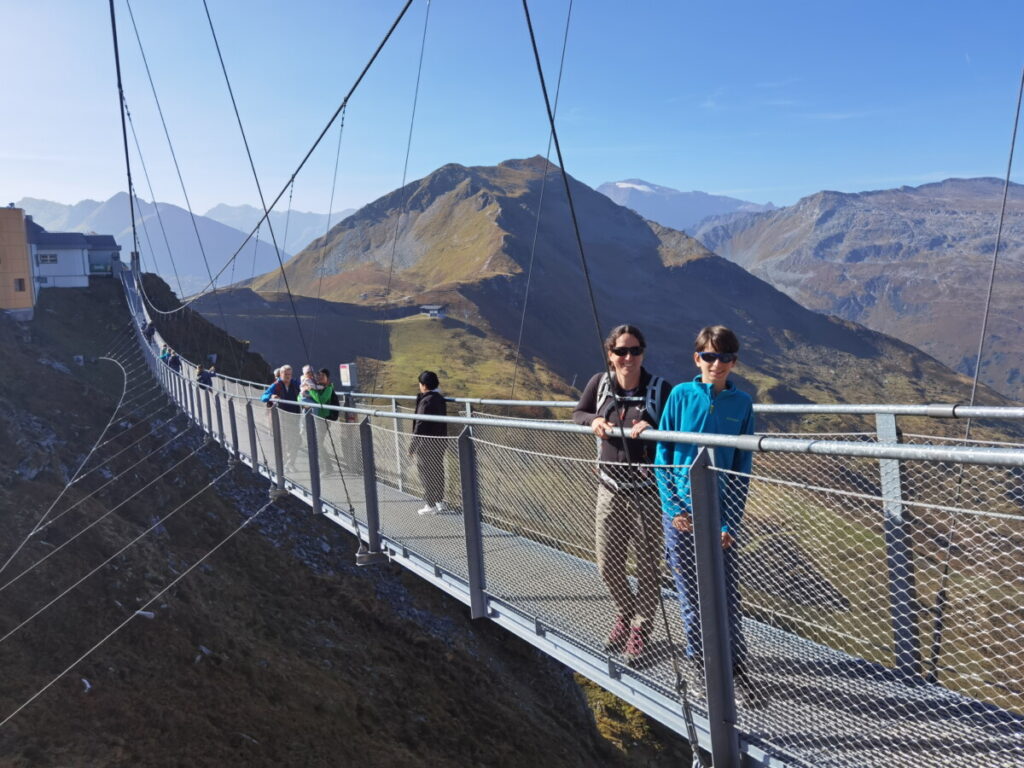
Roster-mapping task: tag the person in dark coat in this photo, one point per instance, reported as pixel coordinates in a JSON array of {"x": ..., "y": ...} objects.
[
  {"x": 205, "y": 377},
  {"x": 426, "y": 444},
  {"x": 174, "y": 361}
]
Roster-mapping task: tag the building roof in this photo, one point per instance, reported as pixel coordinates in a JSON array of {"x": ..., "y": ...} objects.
[
  {"x": 46, "y": 239},
  {"x": 103, "y": 241}
]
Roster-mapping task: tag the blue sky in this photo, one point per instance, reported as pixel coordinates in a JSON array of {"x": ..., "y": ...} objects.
[{"x": 764, "y": 101}]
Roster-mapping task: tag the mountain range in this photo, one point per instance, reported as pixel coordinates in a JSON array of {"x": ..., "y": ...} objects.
[
  {"x": 293, "y": 229},
  {"x": 171, "y": 231},
  {"x": 672, "y": 208},
  {"x": 913, "y": 262},
  {"x": 464, "y": 237}
]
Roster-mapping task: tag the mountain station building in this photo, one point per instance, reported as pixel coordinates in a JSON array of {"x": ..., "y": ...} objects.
[{"x": 32, "y": 258}]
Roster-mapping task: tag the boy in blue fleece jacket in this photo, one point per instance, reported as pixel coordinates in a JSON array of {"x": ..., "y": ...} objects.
[{"x": 709, "y": 403}]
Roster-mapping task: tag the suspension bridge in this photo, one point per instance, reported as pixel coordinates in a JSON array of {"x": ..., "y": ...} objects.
[
  {"x": 846, "y": 540},
  {"x": 881, "y": 573}
]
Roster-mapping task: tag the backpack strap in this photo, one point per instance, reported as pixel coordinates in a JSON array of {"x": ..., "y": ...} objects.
[{"x": 652, "y": 399}]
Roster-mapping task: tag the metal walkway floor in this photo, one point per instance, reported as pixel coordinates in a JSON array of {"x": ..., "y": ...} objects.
[{"x": 802, "y": 686}]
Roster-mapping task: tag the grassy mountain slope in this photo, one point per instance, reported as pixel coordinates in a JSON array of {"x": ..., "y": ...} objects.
[{"x": 465, "y": 239}]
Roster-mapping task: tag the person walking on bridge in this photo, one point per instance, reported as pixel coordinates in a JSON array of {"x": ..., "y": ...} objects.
[
  {"x": 426, "y": 444},
  {"x": 627, "y": 511}
]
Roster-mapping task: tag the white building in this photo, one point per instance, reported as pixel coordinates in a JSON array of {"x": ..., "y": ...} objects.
[{"x": 69, "y": 259}]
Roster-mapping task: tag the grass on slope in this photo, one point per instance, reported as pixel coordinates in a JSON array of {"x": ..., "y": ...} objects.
[{"x": 468, "y": 362}]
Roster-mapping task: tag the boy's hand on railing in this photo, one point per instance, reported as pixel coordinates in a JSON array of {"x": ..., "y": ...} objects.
[{"x": 683, "y": 523}]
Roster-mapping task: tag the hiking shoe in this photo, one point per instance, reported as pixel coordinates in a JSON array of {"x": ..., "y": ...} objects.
[
  {"x": 617, "y": 639},
  {"x": 430, "y": 509},
  {"x": 635, "y": 645}
]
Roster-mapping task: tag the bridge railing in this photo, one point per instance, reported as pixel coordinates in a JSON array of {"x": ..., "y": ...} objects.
[
  {"x": 879, "y": 583},
  {"x": 892, "y": 569}
]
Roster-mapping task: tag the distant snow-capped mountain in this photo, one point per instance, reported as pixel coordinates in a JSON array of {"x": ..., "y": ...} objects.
[{"x": 672, "y": 208}]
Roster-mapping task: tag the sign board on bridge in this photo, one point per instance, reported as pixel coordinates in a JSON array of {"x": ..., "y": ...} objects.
[{"x": 347, "y": 376}]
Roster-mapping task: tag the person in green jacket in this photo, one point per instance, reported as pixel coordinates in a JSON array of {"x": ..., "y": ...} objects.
[{"x": 323, "y": 394}]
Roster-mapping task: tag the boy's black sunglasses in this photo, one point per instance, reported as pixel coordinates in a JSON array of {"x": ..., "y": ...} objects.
[
  {"x": 623, "y": 351},
  {"x": 725, "y": 357}
]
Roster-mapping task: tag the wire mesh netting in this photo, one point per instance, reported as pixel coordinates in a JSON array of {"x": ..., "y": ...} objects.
[
  {"x": 856, "y": 602},
  {"x": 877, "y": 604},
  {"x": 426, "y": 514}
]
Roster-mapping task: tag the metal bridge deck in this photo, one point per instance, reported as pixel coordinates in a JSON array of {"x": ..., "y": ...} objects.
[{"x": 801, "y": 684}]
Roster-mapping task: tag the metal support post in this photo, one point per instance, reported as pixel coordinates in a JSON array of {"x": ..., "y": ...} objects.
[
  {"x": 469, "y": 410},
  {"x": 220, "y": 417},
  {"x": 188, "y": 400},
  {"x": 250, "y": 424},
  {"x": 471, "y": 522},
  {"x": 714, "y": 612},
  {"x": 904, "y": 608},
  {"x": 369, "y": 553},
  {"x": 233, "y": 427},
  {"x": 399, "y": 457},
  {"x": 278, "y": 490},
  {"x": 312, "y": 448},
  {"x": 209, "y": 410}
]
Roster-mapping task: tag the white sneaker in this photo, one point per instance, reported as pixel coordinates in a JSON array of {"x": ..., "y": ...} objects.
[{"x": 427, "y": 510}]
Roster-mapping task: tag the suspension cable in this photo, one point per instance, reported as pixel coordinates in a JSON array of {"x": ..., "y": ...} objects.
[
  {"x": 302, "y": 163},
  {"x": 95, "y": 522},
  {"x": 256, "y": 178},
  {"x": 938, "y": 609},
  {"x": 109, "y": 482},
  {"x": 327, "y": 230},
  {"x": 124, "y": 133},
  {"x": 110, "y": 421},
  {"x": 540, "y": 206},
  {"x": 403, "y": 201},
  {"x": 177, "y": 168},
  {"x": 156, "y": 205},
  {"x": 135, "y": 613},
  {"x": 680, "y": 682}
]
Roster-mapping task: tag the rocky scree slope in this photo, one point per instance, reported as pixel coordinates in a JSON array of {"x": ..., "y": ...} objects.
[
  {"x": 276, "y": 651},
  {"x": 912, "y": 262}
]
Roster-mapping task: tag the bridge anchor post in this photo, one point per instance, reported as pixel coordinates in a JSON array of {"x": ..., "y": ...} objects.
[
  {"x": 369, "y": 552},
  {"x": 904, "y": 608},
  {"x": 714, "y": 611},
  {"x": 312, "y": 449},
  {"x": 471, "y": 522}
]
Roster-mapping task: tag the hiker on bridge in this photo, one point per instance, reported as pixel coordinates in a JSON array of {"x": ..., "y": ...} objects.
[
  {"x": 628, "y": 511},
  {"x": 205, "y": 376},
  {"x": 323, "y": 394},
  {"x": 284, "y": 394},
  {"x": 426, "y": 445},
  {"x": 710, "y": 403}
]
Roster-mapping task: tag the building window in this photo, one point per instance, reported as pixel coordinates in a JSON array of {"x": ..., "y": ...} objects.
[
  {"x": 19, "y": 284},
  {"x": 46, "y": 258}
]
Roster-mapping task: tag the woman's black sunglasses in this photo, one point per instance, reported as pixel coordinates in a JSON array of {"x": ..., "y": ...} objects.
[
  {"x": 623, "y": 351},
  {"x": 725, "y": 357}
]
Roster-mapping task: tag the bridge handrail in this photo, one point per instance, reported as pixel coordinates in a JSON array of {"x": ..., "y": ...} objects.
[{"x": 1013, "y": 457}]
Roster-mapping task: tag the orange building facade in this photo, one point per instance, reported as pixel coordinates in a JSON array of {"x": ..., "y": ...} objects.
[{"x": 17, "y": 283}]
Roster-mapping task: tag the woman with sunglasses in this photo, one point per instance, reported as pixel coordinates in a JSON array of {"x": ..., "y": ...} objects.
[
  {"x": 710, "y": 403},
  {"x": 626, "y": 395}
]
